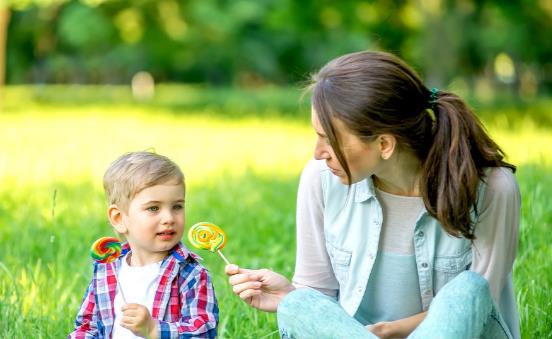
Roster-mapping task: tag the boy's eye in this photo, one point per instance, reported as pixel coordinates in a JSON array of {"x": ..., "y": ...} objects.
[
  {"x": 178, "y": 206},
  {"x": 153, "y": 208}
]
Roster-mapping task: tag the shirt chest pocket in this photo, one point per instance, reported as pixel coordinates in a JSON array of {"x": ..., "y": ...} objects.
[
  {"x": 341, "y": 263},
  {"x": 446, "y": 268}
]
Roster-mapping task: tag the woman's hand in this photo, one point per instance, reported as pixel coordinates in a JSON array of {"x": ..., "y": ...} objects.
[
  {"x": 380, "y": 329},
  {"x": 400, "y": 328},
  {"x": 262, "y": 289}
]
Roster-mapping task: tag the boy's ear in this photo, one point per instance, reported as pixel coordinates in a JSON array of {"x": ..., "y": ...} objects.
[{"x": 115, "y": 216}]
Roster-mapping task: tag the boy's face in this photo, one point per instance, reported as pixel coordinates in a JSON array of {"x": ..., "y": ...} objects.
[{"x": 154, "y": 222}]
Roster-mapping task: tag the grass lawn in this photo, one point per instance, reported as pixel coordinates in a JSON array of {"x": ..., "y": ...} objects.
[{"x": 241, "y": 152}]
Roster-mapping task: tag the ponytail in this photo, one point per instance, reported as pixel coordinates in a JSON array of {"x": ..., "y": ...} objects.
[{"x": 454, "y": 165}]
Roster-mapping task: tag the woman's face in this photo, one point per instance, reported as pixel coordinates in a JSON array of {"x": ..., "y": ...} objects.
[{"x": 363, "y": 158}]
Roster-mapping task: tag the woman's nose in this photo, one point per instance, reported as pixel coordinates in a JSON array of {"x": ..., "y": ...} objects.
[{"x": 321, "y": 152}]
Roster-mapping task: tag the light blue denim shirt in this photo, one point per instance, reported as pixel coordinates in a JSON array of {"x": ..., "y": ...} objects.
[
  {"x": 439, "y": 256},
  {"x": 350, "y": 218}
]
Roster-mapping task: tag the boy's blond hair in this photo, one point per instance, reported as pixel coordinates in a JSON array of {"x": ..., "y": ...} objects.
[{"x": 132, "y": 172}]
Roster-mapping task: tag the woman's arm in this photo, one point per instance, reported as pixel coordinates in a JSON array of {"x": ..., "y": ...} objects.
[
  {"x": 497, "y": 230},
  {"x": 312, "y": 264}
]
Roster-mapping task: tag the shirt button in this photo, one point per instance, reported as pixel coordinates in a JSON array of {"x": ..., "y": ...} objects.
[{"x": 424, "y": 265}]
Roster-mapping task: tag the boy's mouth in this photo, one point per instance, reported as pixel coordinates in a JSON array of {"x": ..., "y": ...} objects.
[{"x": 166, "y": 234}]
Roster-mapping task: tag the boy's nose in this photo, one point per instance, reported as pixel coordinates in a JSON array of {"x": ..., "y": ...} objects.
[{"x": 168, "y": 218}]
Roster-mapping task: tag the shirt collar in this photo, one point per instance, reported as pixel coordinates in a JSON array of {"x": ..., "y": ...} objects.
[{"x": 364, "y": 190}]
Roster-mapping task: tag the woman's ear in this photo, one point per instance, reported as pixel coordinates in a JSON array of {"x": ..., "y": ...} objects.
[
  {"x": 115, "y": 216},
  {"x": 387, "y": 144}
]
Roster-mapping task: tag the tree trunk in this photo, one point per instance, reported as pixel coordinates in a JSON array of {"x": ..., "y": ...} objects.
[{"x": 4, "y": 20}]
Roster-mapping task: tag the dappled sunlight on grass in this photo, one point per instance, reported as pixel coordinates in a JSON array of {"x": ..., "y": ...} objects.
[
  {"x": 528, "y": 143},
  {"x": 71, "y": 146}
]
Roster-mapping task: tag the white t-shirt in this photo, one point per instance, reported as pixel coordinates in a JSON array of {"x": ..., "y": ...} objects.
[{"x": 139, "y": 285}]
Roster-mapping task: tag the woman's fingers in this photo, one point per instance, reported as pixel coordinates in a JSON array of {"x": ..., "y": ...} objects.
[
  {"x": 242, "y": 278},
  {"x": 235, "y": 269},
  {"x": 247, "y": 295},
  {"x": 231, "y": 269},
  {"x": 250, "y": 285}
]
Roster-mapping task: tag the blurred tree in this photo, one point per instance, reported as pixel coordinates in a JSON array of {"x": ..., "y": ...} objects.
[
  {"x": 4, "y": 20},
  {"x": 253, "y": 42},
  {"x": 5, "y": 13}
]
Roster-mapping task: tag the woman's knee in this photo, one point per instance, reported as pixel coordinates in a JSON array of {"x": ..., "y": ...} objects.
[
  {"x": 299, "y": 301},
  {"x": 301, "y": 305},
  {"x": 470, "y": 283},
  {"x": 468, "y": 288}
]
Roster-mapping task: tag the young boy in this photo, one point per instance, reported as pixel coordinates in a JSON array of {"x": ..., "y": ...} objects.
[{"x": 156, "y": 288}]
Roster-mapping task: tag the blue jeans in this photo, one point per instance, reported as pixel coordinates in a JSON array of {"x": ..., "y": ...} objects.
[{"x": 463, "y": 308}]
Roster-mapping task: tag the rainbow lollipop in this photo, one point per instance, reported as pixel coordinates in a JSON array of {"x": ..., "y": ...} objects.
[
  {"x": 106, "y": 250},
  {"x": 208, "y": 236}
]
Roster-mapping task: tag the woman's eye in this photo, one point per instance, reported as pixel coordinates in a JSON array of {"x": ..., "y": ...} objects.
[{"x": 153, "y": 209}]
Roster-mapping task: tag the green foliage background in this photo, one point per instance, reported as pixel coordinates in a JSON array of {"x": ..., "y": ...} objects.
[{"x": 250, "y": 43}]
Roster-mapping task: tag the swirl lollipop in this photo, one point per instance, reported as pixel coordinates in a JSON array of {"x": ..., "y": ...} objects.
[
  {"x": 208, "y": 236},
  {"x": 106, "y": 250}
]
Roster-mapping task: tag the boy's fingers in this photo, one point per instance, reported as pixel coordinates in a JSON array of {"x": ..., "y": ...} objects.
[
  {"x": 126, "y": 322},
  {"x": 129, "y": 306},
  {"x": 133, "y": 312}
]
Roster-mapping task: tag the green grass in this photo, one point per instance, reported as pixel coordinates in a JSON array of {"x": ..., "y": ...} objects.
[{"x": 242, "y": 153}]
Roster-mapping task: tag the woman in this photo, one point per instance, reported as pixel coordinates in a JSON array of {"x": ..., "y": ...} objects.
[{"x": 407, "y": 221}]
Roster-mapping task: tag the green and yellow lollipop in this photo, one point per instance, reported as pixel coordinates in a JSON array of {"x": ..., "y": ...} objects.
[{"x": 208, "y": 236}]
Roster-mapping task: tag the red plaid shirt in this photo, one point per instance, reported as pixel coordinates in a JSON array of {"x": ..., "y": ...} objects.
[{"x": 184, "y": 305}]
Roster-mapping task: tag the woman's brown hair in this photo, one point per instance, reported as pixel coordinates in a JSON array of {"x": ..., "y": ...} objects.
[{"x": 376, "y": 93}]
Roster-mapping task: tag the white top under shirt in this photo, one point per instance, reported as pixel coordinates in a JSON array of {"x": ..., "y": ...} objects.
[
  {"x": 393, "y": 290},
  {"x": 139, "y": 284}
]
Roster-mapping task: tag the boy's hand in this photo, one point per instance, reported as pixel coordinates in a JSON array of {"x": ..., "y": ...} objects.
[{"x": 137, "y": 319}]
